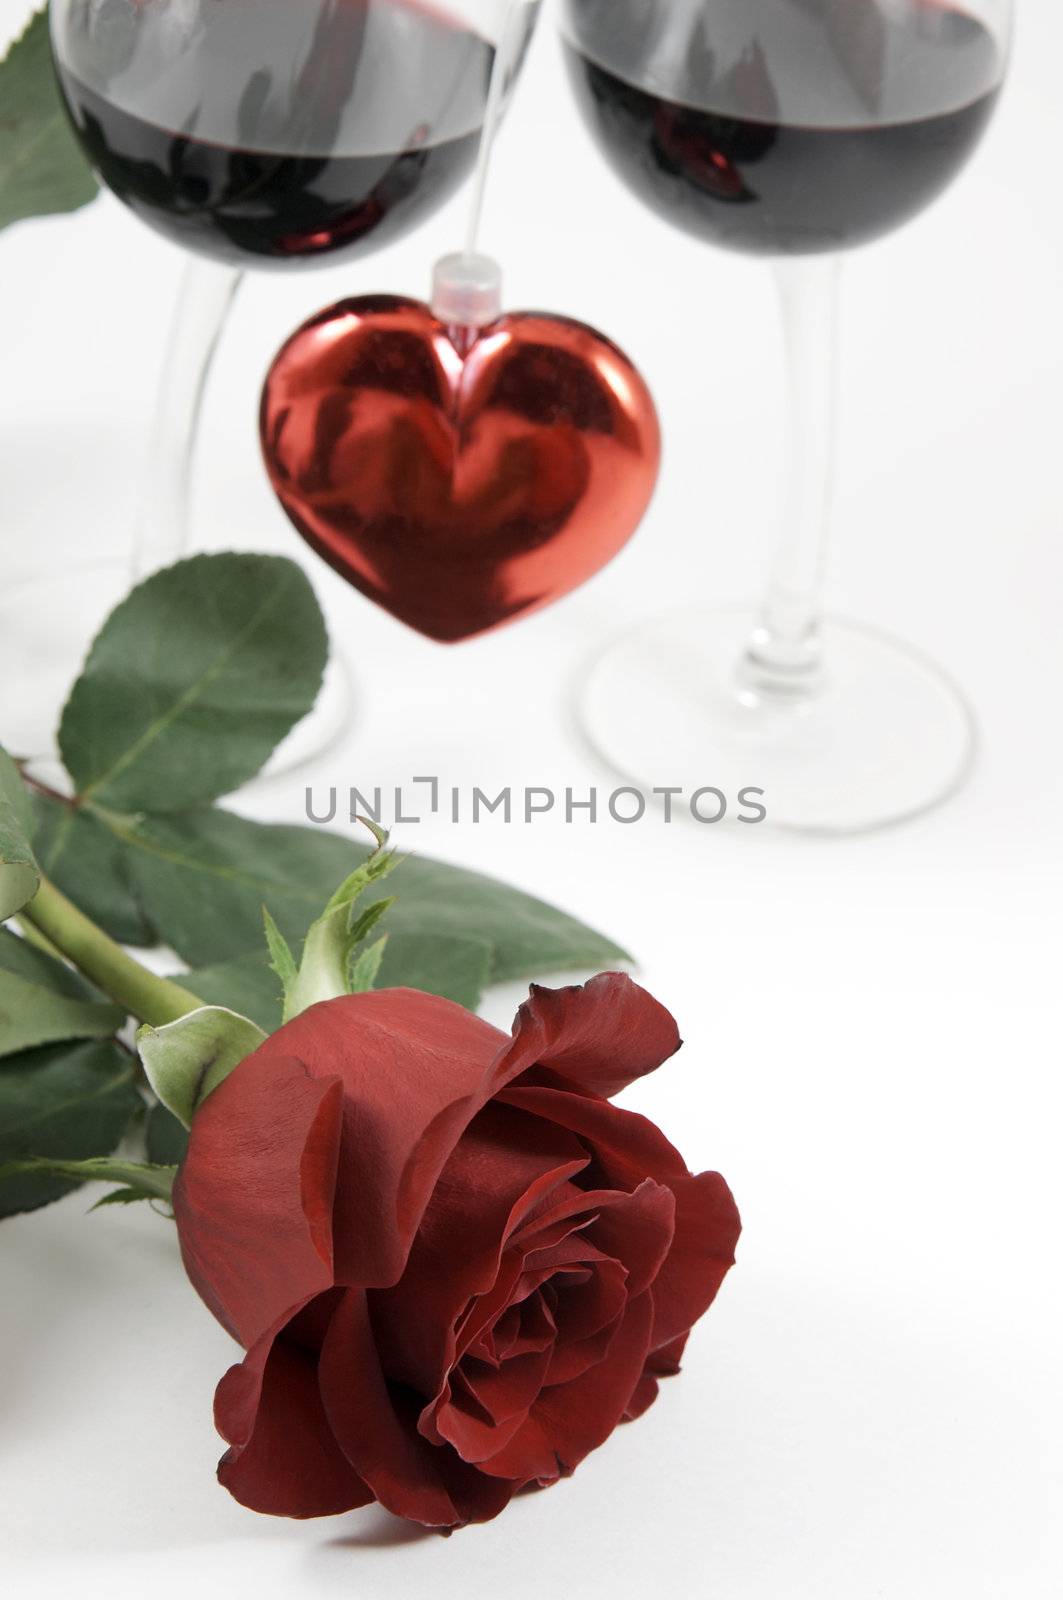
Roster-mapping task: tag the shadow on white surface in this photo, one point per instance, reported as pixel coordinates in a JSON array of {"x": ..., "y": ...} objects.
[
  {"x": 377, "y": 1529},
  {"x": 824, "y": 1439}
]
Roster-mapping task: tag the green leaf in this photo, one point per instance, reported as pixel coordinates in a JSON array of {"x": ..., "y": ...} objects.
[
  {"x": 82, "y": 857},
  {"x": 66, "y": 1102},
  {"x": 185, "y": 1060},
  {"x": 530, "y": 938},
  {"x": 14, "y": 797},
  {"x": 192, "y": 682},
  {"x": 204, "y": 876},
  {"x": 247, "y": 985},
  {"x": 142, "y": 1180},
  {"x": 32, "y": 1014},
  {"x": 19, "y": 875},
  {"x": 456, "y": 967},
  {"x": 25, "y": 960},
  {"x": 42, "y": 169},
  {"x": 165, "y": 1137}
]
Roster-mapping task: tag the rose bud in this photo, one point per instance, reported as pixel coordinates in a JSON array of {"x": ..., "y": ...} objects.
[{"x": 454, "y": 1265}]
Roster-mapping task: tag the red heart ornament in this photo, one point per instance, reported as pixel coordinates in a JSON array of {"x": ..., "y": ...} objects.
[{"x": 458, "y": 483}]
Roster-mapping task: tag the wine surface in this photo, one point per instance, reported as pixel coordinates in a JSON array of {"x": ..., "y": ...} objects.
[
  {"x": 784, "y": 126},
  {"x": 274, "y": 132}
]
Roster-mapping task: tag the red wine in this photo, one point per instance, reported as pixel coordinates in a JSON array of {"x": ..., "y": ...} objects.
[
  {"x": 280, "y": 130},
  {"x": 784, "y": 126}
]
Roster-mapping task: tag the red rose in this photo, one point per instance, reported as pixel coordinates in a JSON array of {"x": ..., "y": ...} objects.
[{"x": 454, "y": 1265}]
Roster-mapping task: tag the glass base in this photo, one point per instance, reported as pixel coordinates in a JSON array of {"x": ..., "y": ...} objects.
[
  {"x": 46, "y": 628},
  {"x": 886, "y": 737}
]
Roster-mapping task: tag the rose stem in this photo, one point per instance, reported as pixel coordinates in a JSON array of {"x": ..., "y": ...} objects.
[
  {"x": 34, "y": 936},
  {"x": 145, "y": 996}
]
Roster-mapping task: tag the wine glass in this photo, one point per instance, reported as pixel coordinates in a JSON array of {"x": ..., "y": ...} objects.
[
  {"x": 796, "y": 130},
  {"x": 261, "y": 134},
  {"x": 269, "y": 134}
]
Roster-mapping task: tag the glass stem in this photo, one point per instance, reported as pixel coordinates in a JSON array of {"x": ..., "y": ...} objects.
[
  {"x": 784, "y": 656},
  {"x": 206, "y": 294}
]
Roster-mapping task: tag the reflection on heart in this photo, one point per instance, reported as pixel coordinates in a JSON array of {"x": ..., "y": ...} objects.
[{"x": 460, "y": 487}]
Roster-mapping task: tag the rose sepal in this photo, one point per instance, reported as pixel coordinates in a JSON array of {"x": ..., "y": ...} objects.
[
  {"x": 187, "y": 1059},
  {"x": 140, "y": 1180},
  {"x": 335, "y": 959}
]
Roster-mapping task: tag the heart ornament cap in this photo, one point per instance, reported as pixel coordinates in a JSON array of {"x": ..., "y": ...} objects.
[{"x": 460, "y": 467}]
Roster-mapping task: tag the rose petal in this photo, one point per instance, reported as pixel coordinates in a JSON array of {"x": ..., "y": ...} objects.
[
  {"x": 284, "y": 1460},
  {"x": 635, "y": 1229},
  {"x": 516, "y": 1286},
  {"x": 415, "y": 1071},
  {"x": 308, "y": 1327},
  {"x": 628, "y": 1148},
  {"x": 664, "y": 1362},
  {"x": 574, "y": 1251},
  {"x": 583, "y": 1309},
  {"x": 707, "y": 1227},
  {"x": 646, "y": 1391},
  {"x": 569, "y": 1421},
  {"x": 375, "y": 1427},
  {"x": 601, "y": 1036},
  {"x": 260, "y": 1171},
  {"x": 572, "y": 1360},
  {"x": 559, "y": 1248},
  {"x": 504, "y": 1164},
  {"x": 522, "y": 1329},
  {"x": 484, "y": 1311},
  {"x": 506, "y": 1390},
  {"x": 588, "y": 1316},
  {"x": 509, "y": 1395}
]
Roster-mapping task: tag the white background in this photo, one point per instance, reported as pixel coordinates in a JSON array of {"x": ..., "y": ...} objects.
[{"x": 873, "y": 1409}]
